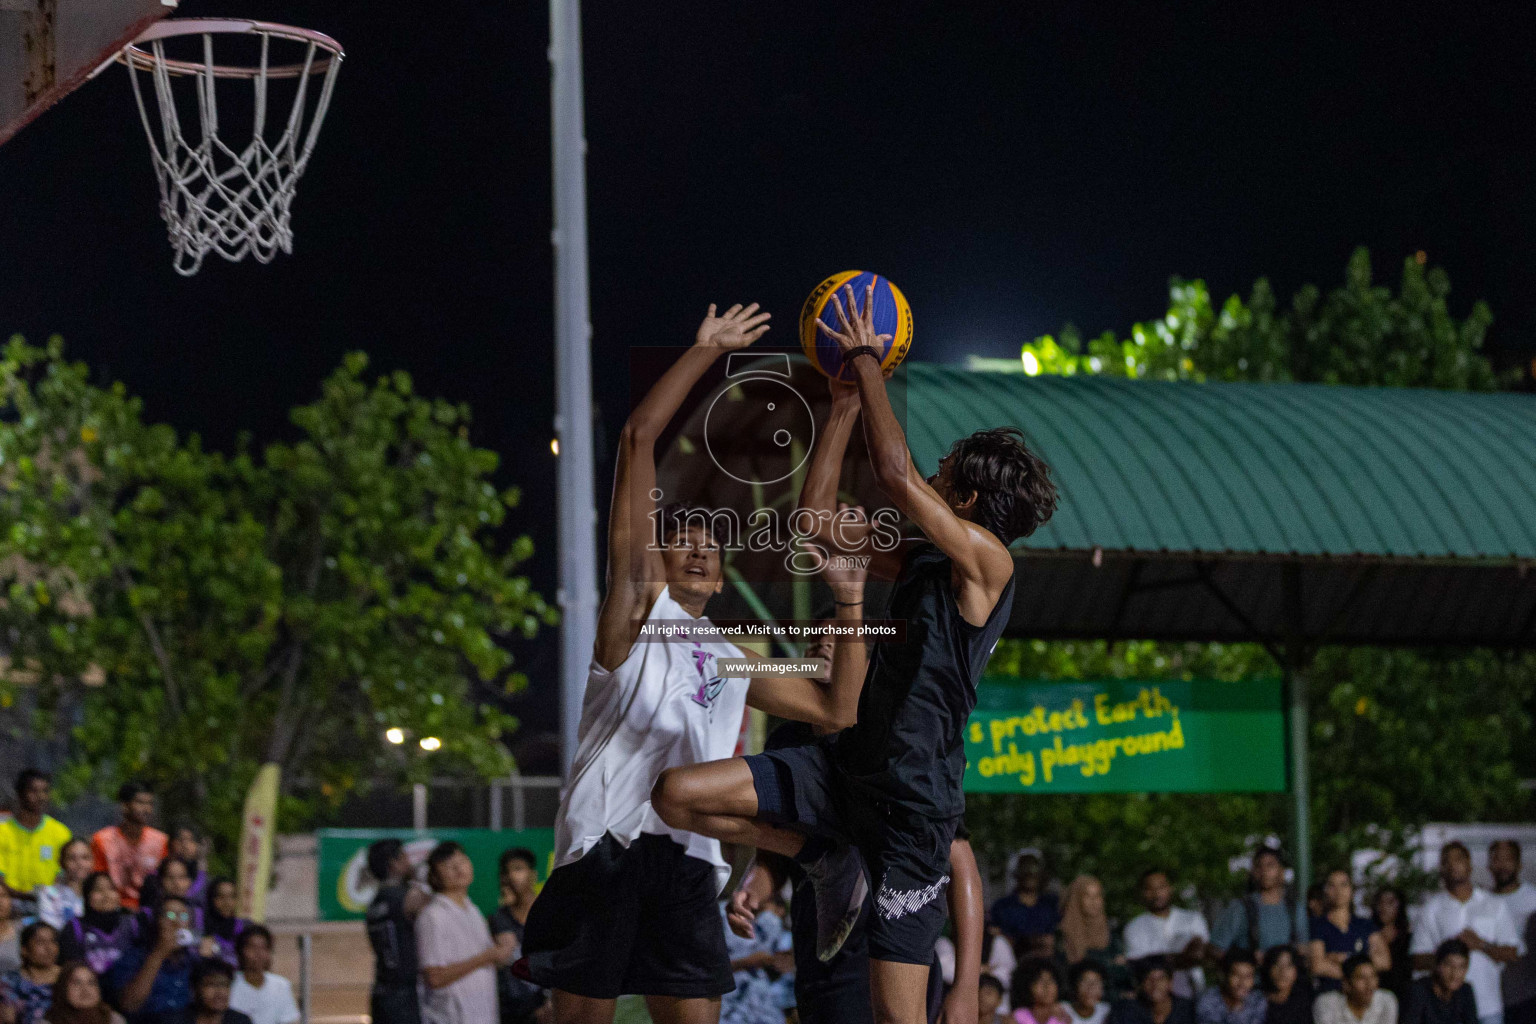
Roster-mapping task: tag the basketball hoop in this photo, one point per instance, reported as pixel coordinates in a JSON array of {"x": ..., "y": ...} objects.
[{"x": 213, "y": 196}]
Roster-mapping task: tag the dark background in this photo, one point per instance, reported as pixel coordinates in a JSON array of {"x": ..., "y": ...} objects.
[{"x": 1012, "y": 169}]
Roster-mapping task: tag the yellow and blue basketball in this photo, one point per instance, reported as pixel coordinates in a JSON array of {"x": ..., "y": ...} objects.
[{"x": 892, "y": 316}]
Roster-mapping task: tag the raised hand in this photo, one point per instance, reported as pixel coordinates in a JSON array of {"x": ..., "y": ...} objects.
[
  {"x": 735, "y": 328},
  {"x": 742, "y": 913},
  {"x": 858, "y": 327}
]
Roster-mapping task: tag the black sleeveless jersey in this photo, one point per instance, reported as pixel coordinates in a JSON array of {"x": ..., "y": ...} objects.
[
  {"x": 908, "y": 744},
  {"x": 393, "y": 935}
]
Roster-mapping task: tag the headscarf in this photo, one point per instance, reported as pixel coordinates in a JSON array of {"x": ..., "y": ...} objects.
[
  {"x": 1081, "y": 931},
  {"x": 215, "y": 923},
  {"x": 59, "y": 1010},
  {"x": 105, "y": 922}
]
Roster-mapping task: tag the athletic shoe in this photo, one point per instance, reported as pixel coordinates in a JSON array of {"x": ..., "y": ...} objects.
[{"x": 837, "y": 878}]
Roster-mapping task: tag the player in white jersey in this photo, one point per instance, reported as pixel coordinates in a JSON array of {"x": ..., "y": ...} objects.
[{"x": 630, "y": 906}]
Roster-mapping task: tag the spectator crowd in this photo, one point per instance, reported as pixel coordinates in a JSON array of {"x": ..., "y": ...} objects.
[{"x": 127, "y": 927}]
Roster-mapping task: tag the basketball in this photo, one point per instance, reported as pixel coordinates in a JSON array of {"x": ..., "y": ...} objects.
[{"x": 893, "y": 316}]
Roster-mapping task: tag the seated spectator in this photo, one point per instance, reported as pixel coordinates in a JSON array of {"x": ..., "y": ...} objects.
[
  {"x": 519, "y": 999},
  {"x": 1085, "y": 993},
  {"x": 453, "y": 944},
  {"x": 1389, "y": 913},
  {"x": 212, "y": 981},
  {"x": 1287, "y": 991},
  {"x": 102, "y": 931},
  {"x": 31, "y": 840},
  {"x": 31, "y": 985},
  {"x": 187, "y": 847},
  {"x": 153, "y": 978},
  {"x": 753, "y": 962},
  {"x": 1443, "y": 996},
  {"x": 989, "y": 996},
  {"x": 1086, "y": 935},
  {"x": 64, "y": 900},
  {"x": 1037, "y": 994},
  {"x": 1361, "y": 999},
  {"x": 997, "y": 959},
  {"x": 1154, "y": 1001},
  {"x": 1317, "y": 900},
  {"x": 1264, "y": 918},
  {"x": 77, "y": 998},
  {"x": 222, "y": 926},
  {"x": 10, "y": 934},
  {"x": 1234, "y": 999},
  {"x": 1340, "y": 933},
  {"x": 1028, "y": 916},
  {"x": 1166, "y": 930},
  {"x": 264, "y": 997}
]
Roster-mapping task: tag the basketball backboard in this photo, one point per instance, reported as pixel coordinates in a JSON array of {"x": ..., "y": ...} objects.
[{"x": 48, "y": 48}]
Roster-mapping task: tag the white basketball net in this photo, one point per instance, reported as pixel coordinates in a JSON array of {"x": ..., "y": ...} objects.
[{"x": 215, "y": 197}]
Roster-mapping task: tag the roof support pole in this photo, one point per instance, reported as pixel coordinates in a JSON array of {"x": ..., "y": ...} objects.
[{"x": 1295, "y": 665}]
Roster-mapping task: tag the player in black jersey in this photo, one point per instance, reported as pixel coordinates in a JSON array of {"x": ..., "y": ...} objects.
[
  {"x": 392, "y": 932},
  {"x": 889, "y": 787}
]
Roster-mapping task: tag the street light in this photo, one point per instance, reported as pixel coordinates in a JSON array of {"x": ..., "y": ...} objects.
[
  {"x": 430, "y": 743},
  {"x": 395, "y": 735}
]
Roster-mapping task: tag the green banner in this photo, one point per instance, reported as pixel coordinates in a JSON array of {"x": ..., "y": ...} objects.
[
  {"x": 346, "y": 887},
  {"x": 1126, "y": 736}
]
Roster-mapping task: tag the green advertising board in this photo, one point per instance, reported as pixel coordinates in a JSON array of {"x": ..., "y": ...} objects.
[
  {"x": 346, "y": 887},
  {"x": 1125, "y": 736}
]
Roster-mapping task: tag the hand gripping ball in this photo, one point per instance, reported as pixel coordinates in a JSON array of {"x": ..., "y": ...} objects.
[{"x": 892, "y": 316}]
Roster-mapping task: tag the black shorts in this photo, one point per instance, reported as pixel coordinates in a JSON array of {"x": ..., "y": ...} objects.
[
  {"x": 636, "y": 921},
  {"x": 907, "y": 853}
]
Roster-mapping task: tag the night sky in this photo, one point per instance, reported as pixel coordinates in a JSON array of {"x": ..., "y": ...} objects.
[{"x": 1012, "y": 170}]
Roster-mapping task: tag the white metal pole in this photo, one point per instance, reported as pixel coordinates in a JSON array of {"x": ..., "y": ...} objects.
[{"x": 573, "y": 371}]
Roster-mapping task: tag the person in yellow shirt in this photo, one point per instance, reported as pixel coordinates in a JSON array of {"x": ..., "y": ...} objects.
[{"x": 31, "y": 842}]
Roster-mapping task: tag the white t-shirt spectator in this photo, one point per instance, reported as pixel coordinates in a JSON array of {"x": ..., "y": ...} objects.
[
  {"x": 1148, "y": 935},
  {"x": 271, "y": 1004},
  {"x": 1520, "y": 976},
  {"x": 1331, "y": 1008},
  {"x": 1100, "y": 1012},
  {"x": 447, "y": 933},
  {"x": 1000, "y": 964},
  {"x": 1445, "y": 917}
]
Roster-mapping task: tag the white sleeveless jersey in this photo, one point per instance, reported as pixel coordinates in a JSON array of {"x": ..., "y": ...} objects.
[{"x": 665, "y": 706}]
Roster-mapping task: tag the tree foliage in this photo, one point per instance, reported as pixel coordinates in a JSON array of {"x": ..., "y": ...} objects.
[
  {"x": 1398, "y": 738},
  {"x": 284, "y": 605}
]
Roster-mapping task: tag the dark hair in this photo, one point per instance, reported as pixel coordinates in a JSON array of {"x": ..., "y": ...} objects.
[
  {"x": 1025, "y": 976},
  {"x": 1014, "y": 493},
  {"x": 1514, "y": 845},
  {"x": 207, "y": 967},
  {"x": 1147, "y": 964},
  {"x": 252, "y": 931},
  {"x": 381, "y": 855},
  {"x": 1267, "y": 851},
  {"x": 1315, "y": 892},
  {"x": 521, "y": 853},
  {"x": 89, "y": 885},
  {"x": 130, "y": 790},
  {"x": 187, "y": 826},
  {"x": 1354, "y": 963},
  {"x": 167, "y": 901},
  {"x": 987, "y": 981},
  {"x": 1077, "y": 971},
  {"x": 1271, "y": 961},
  {"x": 165, "y": 865},
  {"x": 1401, "y": 920},
  {"x": 1234, "y": 957},
  {"x": 440, "y": 854},
  {"x": 1455, "y": 844},
  {"x": 1142, "y": 878},
  {"x": 27, "y": 776},
  {"x": 71, "y": 841},
  {"x": 1452, "y": 947},
  {"x": 32, "y": 929}
]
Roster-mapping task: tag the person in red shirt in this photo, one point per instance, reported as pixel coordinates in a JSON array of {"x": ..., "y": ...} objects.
[{"x": 131, "y": 850}]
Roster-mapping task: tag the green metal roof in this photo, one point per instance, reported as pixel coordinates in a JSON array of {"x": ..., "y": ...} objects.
[{"x": 1255, "y": 469}]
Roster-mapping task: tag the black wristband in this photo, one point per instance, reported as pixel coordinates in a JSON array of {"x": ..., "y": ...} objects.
[
  {"x": 848, "y": 604},
  {"x": 862, "y": 350}
]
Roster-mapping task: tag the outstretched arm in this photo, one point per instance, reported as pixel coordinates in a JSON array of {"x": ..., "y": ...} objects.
[
  {"x": 833, "y": 703},
  {"x": 982, "y": 563},
  {"x": 834, "y": 528},
  {"x": 634, "y": 565},
  {"x": 969, "y": 917}
]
